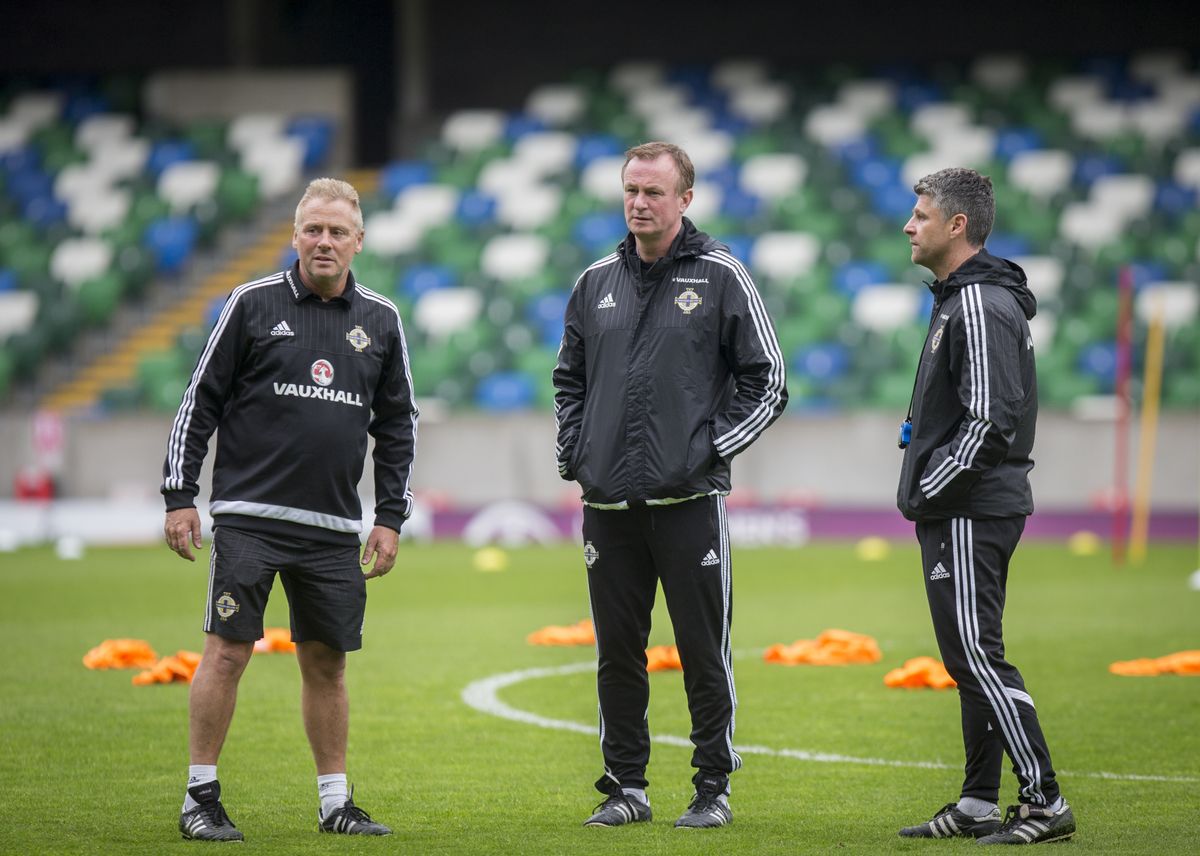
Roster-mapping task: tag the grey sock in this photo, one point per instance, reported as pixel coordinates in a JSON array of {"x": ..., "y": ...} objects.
[
  {"x": 638, "y": 794},
  {"x": 1057, "y": 804},
  {"x": 976, "y": 808}
]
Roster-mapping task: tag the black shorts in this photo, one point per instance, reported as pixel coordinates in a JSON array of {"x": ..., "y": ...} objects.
[{"x": 326, "y": 590}]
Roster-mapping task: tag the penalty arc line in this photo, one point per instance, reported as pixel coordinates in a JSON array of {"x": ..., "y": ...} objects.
[{"x": 483, "y": 695}]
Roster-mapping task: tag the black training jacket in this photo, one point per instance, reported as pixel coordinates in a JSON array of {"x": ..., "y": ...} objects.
[
  {"x": 975, "y": 401},
  {"x": 664, "y": 376},
  {"x": 295, "y": 385}
]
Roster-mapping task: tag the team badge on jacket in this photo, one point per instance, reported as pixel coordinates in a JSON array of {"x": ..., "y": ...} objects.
[
  {"x": 590, "y": 555},
  {"x": 358, "y": 338},
  {"x": 937, "y": 339},
  {"x": 688, "y": 300}
]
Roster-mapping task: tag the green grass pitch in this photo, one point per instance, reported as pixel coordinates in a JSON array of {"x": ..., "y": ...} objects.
[{"x": 91, "y": 764}]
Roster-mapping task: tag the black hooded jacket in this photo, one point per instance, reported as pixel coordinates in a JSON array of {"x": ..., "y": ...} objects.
[
  {"x": 663, "y": 374},
  {"x": 975, "y": 400}
]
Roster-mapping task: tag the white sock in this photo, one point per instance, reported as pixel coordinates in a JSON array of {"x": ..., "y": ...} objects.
[
  {"x": 198, "y": 774},
  {"x": 1057, "y": 804},
  {"x": 333, "y": 792},
  {"x": 637, "y": 793},
  {"x": 976, "y": 808}
]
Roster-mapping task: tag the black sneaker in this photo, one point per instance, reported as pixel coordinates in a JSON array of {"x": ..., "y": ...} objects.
[
  {"x": 208, "y": 820},
  {"x": 949, "y": 822},
  {"x": 619, "y": 809},
  {"x": 1030, "y": 824},
  {"x": 709, "y": 807},
  {"x": 350, "y": 820}
]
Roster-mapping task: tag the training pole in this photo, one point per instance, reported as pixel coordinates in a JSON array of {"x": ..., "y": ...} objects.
[
  {"x": 1120, "y": 497},
  {"x": 1147, "y": 433}
]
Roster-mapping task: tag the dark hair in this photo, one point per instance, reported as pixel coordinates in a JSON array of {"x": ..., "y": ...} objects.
[
  {"x": 962, "y": 191},
  {"x": 651, "y": 151}
]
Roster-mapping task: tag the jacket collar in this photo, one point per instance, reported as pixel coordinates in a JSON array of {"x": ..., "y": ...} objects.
[
  {"x": 985, "y": 268},
  {"x": 300, "y": 292}
]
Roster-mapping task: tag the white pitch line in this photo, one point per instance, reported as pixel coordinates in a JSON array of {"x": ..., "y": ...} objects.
[{"x": 483, "y": 695}]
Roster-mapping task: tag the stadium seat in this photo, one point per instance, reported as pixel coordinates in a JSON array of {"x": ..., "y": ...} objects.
[
  {"x": 443, "y": 311},
  {"x": 1090, "y": 226},
  {"x": 773, "y": 176},
  {"x": 549, "y": 153},
  {"x": 529, "y": 207},
  {"x": 277, "y": 162},
  {"x": 883, "y": 308},
  {"x": 171, "y": 241},
  {"x": 557, "y": 105},
  {"x": 473, "y": 130},
  {"x": 601, "y": 178},
  {"x": 316, "y": 133},
  {"x": 399, "y": 175},
  {"x": 1042, "y": 173},
  {"x": 760, "y": 102},
  {"x": 853, "y": 276},
  {"x": 512, "y": 257},
  {"x": 77, "y": 259},
  {"x": 1129, "y": 196},
  {"x": 1176, "y": 303},
  {"x": 391, "y": 233},
  {"x": 185, "y": 184},
  {"x": 784, "y": 255},
  {"x": 17, "y": 311},
  {"x": 506, "y": 391},
  {"x": 1044, "y": 273},
  {"x": 428, "y": 204}
]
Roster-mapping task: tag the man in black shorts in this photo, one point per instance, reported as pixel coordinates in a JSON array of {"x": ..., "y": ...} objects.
[{"x": 299, "y": 369}]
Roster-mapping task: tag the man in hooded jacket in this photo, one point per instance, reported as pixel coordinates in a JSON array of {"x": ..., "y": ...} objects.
[
  {"x": 965, "y": 482},
  {"x": 669, "y": 367}
]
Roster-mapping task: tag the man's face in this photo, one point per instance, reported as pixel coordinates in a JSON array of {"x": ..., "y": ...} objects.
[
  {"x": 653, "y": 205},
  {"x": 326, "y": 240},
  {"x": 928, "y": 232}
]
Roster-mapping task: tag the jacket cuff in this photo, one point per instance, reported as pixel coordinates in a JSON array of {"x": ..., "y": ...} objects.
[
  {"x": 390, "y": 519},
  {"x": 176, "y": 499}
]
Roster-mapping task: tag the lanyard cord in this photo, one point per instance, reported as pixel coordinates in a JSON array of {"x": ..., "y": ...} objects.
[{"x": 937, "y": 303}]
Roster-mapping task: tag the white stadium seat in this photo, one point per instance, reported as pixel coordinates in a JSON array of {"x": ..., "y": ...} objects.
[
  {"x": 761, "y": 103},
  {"x": 516, "y": 256},
  {"x": 784, "y": 255},
  {"x": 1090, "y": 226},
  {"x": 443, "y": 311},
  {"x": 76, "y": 260},
  {"x": 95, "y": 211},
  {"x": 773, "y": 175},
  {"x": 529, "y": 207},
  {"x": 1042, "y": 173},
  {"x": 548, "y": 152},
  {"x": 1176, "y": 302},
  {"x": 557, "y": 104},
  {"x": 185, "y": 184},
  {"x": 17, "y": 311},
  {"x": 102, "y": 128},
  {"x": 428, "y": 204},
  {"x": 602, "y": 178},
  {"x": 391, "y": 233},
  {"x": 886, "y": 306},
  {"x": 1045, "y": 274},
  {"x": 867, "y": 97},
  {"x": 473, "y": 130},
  {"x": 832, "y": 124}
]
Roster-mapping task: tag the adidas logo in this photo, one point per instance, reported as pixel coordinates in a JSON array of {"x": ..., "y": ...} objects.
[
  {"x": 939, "y": 572},
  {"x": 607, "y": 302},
  {"x": 710, "y": 559},
  {"x": 282, "y": 329}
]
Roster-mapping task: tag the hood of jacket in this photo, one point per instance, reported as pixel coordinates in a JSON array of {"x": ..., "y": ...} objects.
[
  {"x": 689, "y": 243},
  {"x": 983, "y": 267}
]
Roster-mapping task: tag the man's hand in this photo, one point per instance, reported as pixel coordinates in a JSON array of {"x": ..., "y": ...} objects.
[
  {"x": 381, "y": 545},
  {"x": 182, "y": 532}
]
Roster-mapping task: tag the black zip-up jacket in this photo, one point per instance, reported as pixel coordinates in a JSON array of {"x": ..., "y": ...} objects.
[
  {"x": 295, "y": 385},
  {"x": 664, "y": 374},
  {"x": 975, "y": 400}
]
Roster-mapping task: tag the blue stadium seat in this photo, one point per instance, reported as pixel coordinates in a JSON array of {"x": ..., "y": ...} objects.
[
  {"x": 1099, "y": 361},
  {"x": 1174, "y": 199},
  {"x": 80, "y": 105},
  {"x": 593, "y": 146},
  {"x": 822, "y": 363},
  {"x": 1145, "y": 271},
  {"x": 849, "y": 278},
  {"x": 44, "y": 211},
  {"x": 546, "y": 313},
  {"x": 401, "y": 174},
  {"x": 317, "y": 134},
  {"x": 214, "y": 310},
  {"x": 287, "y": 257},
  {"x": 1090, "y": 167},
  {"x": 740, "y": 205},
  {"x": 893, "y": 202},
  {"x": 504, "y": 391},
  {"x": 740, "y": 246},
  {"x": 419, "y": 279},
  {"x": 8, "y": 280},
  {"x": 1008, "y": 246},
  {"x": 600, "y": 232},
  {"x": 874, "y": 173},
  {"x": 166, "y": 152},
  {"x": 171, "y": 241},
  {"x": 475, "y": 209},
  {"x": 1011, "y": 142},
  {"x": 521, "y": 124}
]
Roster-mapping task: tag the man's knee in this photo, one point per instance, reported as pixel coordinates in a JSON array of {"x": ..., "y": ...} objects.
[
  {"x": 226, "y": 657},
  {"x": 320, "y": 663}
]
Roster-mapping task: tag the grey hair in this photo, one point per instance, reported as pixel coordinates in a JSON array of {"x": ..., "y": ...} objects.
[
  {"x": 652, "y": 151},
  {"x": 962, "y": 191},
  {"x": 330, "y": 189}
]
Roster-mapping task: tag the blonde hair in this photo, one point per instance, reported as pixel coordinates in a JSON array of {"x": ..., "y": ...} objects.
[{"x": 330, "y": 189}]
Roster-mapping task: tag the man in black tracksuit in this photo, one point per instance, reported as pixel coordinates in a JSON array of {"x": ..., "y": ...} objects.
[
  {"x": 669, "y": 367},
  {"x": 965, "y": 482},
  {"x": 301, "y": 367}
]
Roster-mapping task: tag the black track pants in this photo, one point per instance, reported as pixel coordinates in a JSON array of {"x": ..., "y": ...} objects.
[
  {"x": 965, "y": 564},
  {"x": 686, "y": 546}
]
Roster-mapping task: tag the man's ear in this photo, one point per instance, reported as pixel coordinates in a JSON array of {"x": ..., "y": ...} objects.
[{"x": 958, "y": 225}]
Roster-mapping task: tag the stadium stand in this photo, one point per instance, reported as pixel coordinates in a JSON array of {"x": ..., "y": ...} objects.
[{"x": 806, "y": 175}]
